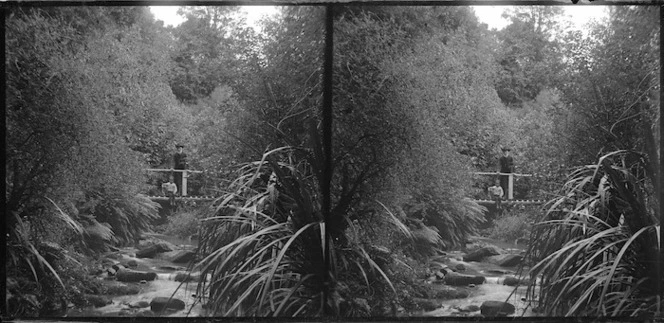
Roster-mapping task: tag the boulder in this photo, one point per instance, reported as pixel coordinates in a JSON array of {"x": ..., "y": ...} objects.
[
  {"x": 118, "y": 288},
  {"x": 146, "y": 313},
  {"x": 132, "y": 263},
  {"x": 144, "y": 243},
  {"x": 470, "y": 308},
  {"x": 510, "y": 261},
  {"x": 84, "y": 312},
  {"x": 97, "y": 300},
  {"x": 507, "y": 260},
  {"x": 160, "y": 304},
  {"x": 139, "y": 304},
  {"x": 187, "y": 277},
  {"x": 152, "y": 250},
  {"x": 427, "y": 304},
  {"x": 451, "y": 293},
  {"x": 184, "y": 256},
  {"x": 498, "y": 271},
  {"x": 133, "y": 276},
  {"x": 460, "y": 267},
  {"x": 496, "y": 308},
  {"x": 481, "y": 253},
  {"x": 511, "y": 281},
  {"x": 456, "y": 279}
]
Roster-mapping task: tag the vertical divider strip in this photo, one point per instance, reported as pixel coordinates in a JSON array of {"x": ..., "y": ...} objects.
[{"x": 327, "y": 143}]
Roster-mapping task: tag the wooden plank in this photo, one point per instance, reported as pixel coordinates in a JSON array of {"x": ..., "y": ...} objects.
[
  {"x": 173, "y": 170},
  {"x": 499, "y": 173},
  {"x": 190, "y": 198},
  {"x": 511, "y": 201}
]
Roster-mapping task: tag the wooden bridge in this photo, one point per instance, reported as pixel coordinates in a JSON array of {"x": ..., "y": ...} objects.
[
  {"x": 522, "y": 202},
  {"x": 183, "y": 189},
  {"x": 186, "y": 198},
  {"x": 510, "y": 190},
  {"x": 186, "y": 172}
]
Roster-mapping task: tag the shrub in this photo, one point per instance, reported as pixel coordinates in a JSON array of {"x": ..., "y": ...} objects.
[
  {"x": 515, "y": 225},
  {"x": 263, "y": 246},
  {"x": 596, "y": 249},
  {"x": 184, "y": 224},
  {"x": 42, "y": 277},
  {"x": 127, "y": 216},
  {"x": 266, "y": 248}
]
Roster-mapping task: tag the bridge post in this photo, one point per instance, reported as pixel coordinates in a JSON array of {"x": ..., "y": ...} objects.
[
  {"x": 184, "y": 183},
  {"x": 510, "y": 187}
]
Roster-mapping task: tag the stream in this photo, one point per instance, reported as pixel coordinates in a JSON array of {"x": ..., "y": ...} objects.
[
  {"x": 139, "y": 302},
  {"x": 139, "y": 305},
  {"x": 492, "y": 289}
]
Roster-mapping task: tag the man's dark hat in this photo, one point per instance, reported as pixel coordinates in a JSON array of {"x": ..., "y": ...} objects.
[
  {"x": 506, "y": 149},
  {"x": 179, "y": 145}
]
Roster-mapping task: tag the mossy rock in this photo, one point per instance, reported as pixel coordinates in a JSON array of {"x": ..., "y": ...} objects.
[
  {"x": 98, "y": 300},
  {"x": 160, "y": 304},
  {"x": 427, "y": 304},
  {"x": 455, "y": 279},
  {"x": 497, "y": 308},
  {"x": 133, "y": 276},
  {"x": 117, "y": 288}
]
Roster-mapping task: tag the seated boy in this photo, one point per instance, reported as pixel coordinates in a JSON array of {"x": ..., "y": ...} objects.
[
  {"x": 169, "y": 189},
  {"x": 496, "y": 193}
]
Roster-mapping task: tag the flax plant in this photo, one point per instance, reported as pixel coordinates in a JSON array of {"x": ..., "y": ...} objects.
[
  {"x": 264, "y": 247},
  {"x": 595, "y": 252}
]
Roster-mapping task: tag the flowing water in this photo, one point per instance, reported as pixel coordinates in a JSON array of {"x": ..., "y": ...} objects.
[
  {"x": 491, "y": 290},
  {"x": 165, "y": 286}
]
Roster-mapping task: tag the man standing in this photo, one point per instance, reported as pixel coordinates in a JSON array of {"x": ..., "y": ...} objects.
[
  {"x": 179, "y": 162},
  {"x": 506, "y": 166}
]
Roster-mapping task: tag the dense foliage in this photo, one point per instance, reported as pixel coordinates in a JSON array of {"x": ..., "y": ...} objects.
[
  {"x": 600, "y": 244},
  {"x": 603, "y": 232},
  {"x": 422, "y": 98},
  {"x": 80, "y": 129}
]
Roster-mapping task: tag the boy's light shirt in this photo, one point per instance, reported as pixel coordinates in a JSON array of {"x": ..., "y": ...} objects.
[
  {"x": 496, "y": 191},
  {"x": 169, "y": 187}
]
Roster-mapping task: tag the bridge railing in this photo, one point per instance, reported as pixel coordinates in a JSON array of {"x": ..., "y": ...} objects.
[
  {"x": 510, "y": 180},
  {"x": 185, "y": 174}
]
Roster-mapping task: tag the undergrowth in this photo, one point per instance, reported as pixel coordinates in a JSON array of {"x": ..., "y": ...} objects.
[
  {"x": 515, "y": 224},
  {"x": 184, "y": 224}
]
